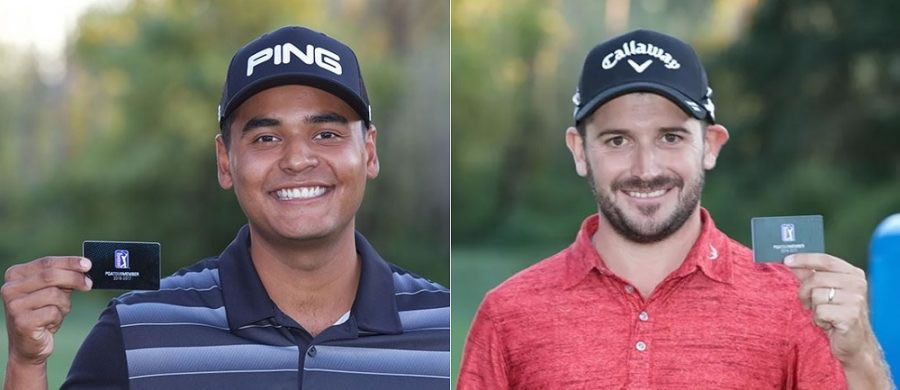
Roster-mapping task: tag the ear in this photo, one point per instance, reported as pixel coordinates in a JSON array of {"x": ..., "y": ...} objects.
[
  {"x": 223, "y": 165},
  {"x": 372, "y": 166},
  {"x": 575, "y": 143},
  {"x": 716, "y": 137}
]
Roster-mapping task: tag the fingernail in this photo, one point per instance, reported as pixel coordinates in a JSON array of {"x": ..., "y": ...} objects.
[
  {"x": 85, "y": 264},
  {"x": 88, "y": 282},
  {"x": 789, "y": 260}
]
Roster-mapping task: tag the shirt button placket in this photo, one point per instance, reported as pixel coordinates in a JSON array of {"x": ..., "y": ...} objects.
[{"x": 639, "y": 363}]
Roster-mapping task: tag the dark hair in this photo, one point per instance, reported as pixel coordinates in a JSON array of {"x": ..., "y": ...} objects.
[
  {"x": 581, "y": 126},
  {"x": 225, "y": 130}
]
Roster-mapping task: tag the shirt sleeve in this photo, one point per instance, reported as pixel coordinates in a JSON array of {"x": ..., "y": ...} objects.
[
  {"x": 100, "y": 362},
  {"x": 484, "y": 357},
  {"x": 811, "y": 363}
]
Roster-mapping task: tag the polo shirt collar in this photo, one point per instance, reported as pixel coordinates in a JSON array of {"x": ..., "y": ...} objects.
[
  {"x": 710, "y": 253},
  {"x": 246, "y": 300},
  {"x": 375, "y": 306}
]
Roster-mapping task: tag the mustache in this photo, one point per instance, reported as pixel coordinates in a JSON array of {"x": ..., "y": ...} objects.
[{"x": 637, "y": 184}]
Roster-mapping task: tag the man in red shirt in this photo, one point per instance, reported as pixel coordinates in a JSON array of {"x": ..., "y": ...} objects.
[{"x": 651, "y": 295}]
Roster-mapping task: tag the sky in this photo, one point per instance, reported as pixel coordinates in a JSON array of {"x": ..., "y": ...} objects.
[{"x": 42, "y": 25}]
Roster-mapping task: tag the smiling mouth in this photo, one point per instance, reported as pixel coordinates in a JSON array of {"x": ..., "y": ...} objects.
[
  {"x": 647, "y": 194},
  {"x": 300, "y": 193}
]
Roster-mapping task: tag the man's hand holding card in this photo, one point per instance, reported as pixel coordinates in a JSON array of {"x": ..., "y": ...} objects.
[
  {"x": 835, "y": 290},
  {"x": 37, "y": 295}
]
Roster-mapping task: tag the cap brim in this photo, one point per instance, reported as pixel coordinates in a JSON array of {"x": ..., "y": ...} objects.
[
  {"x": 688, "y": 105},
  {"x": 333, "y": 87}
]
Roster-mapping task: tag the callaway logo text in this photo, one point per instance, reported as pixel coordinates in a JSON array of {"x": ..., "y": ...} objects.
[
  {"x": 282, "y": 54},
  {"x": 633, "y": 48}
]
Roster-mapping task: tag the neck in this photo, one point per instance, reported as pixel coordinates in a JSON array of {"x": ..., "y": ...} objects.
[
  {"x": 644, "y": 266},
  {"x": 313, "y": 282}
]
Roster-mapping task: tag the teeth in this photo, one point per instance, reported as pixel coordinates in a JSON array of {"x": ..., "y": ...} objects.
[
  {"x": 299, "y": 193},
  {"x": 646, "y": 194}
]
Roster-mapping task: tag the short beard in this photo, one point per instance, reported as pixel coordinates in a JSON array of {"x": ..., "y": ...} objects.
[{"x": 647, "y": 234}]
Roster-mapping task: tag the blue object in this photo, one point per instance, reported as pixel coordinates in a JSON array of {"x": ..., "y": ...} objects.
[{"x": 884, "y": 288}]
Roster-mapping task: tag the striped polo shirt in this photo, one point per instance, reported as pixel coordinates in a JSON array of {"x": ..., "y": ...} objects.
[{"x": 213, "y": 326}]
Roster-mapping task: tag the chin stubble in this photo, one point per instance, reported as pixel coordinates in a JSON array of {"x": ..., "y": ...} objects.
[{"x": 641, "y": 233}]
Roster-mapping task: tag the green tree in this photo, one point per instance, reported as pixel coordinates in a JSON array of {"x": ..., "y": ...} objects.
[{"x": 123, "y": 149}]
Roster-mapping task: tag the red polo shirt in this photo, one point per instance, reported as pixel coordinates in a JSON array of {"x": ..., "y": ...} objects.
[{"x": 719, "y": 321}]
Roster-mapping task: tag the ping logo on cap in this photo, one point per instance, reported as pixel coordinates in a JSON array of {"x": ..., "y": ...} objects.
[
  {"x": 633, "y": 48},
  {"x": 281, "y": 54}
]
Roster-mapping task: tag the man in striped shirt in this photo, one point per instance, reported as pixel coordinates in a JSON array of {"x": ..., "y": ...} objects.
[{"x": 299, "y": 299}]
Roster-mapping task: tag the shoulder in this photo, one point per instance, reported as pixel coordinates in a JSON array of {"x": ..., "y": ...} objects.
[
  {"x": 416, "y": 294},
  {"x": 199, "y": 277},
  {"x": 408, "y": 283},
  {"x": 770, "y": 290},
  {"x": 775, "y": 277},
  {"x": 530, "y": 284},
  {"x": 191, "y": 295}
]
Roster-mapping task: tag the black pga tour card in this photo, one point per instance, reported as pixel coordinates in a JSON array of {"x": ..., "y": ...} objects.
[
  {"x": 123, "y": 265},
  {"x": 774, "y": 238}
]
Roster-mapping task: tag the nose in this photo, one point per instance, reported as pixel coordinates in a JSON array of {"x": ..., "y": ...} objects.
[
  {"x": 297, "y": 156},
  {"x": 645, "y": 163}
]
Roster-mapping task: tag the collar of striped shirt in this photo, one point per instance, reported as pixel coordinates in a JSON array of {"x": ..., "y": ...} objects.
[{"x": 246, "y": 300}]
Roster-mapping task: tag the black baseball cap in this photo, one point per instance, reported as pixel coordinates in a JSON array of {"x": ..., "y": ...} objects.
[
  {"x": 295, "y": 55},
  {"x": 644, "y": 61}
]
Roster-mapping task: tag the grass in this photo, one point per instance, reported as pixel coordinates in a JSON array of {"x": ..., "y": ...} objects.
[
  {"x": 474, "y": 272},
  {"x": 86, "y": 308}
]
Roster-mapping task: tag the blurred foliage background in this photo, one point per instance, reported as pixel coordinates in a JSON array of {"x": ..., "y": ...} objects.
[
  {"x": 119, "y": 145},
  {"x": 807, "y": 88}
]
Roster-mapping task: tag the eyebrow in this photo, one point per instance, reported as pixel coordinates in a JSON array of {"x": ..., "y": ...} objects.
[
  {"x": 255, "y": 123},
  {"x": 676, "y": 129},
  {"x": 326, "y": 117},
  {"x": 606, "y": 132}
]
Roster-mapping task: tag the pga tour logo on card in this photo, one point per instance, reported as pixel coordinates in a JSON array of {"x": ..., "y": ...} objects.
[
  {"x": 122, "y": 259},
  {"x": 787, "y": 232}
]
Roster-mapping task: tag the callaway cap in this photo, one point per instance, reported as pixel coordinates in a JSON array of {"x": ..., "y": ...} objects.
[
  {"x": 295, "y": 55},
  {"x": 644, "y": 61}
]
